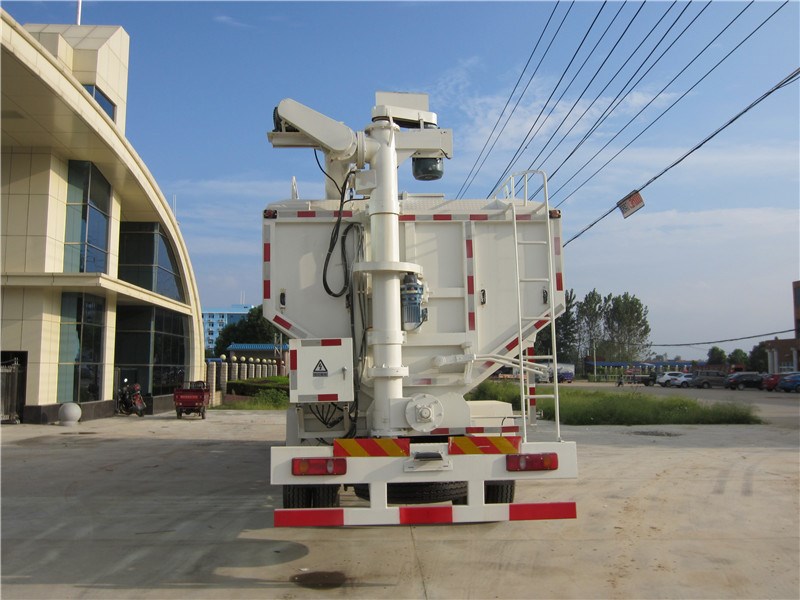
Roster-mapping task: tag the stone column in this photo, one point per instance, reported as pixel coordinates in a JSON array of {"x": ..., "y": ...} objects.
[
  {"x": 251, "y": 369},
  {"x": 234, "y": 371},
  {"x": 211, "y": 379},
  {"x": 223, "y": 378}
]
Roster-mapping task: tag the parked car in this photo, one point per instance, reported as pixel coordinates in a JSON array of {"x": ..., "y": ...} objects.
[
  {"x": 664, "y": 379},
  {"x": 743, "y": 379},
  {"x": 707, "y": 379},
  {"x": 683, "y": 380},
  {"x": 770, "y": 382},
  {"x": 566, "y": 376},
  {"x": 790, "y": 383}
]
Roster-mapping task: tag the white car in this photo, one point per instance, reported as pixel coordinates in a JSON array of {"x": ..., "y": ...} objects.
[
  {"x": 664, "y": 379},
  {"x": 684, "y": 380}
]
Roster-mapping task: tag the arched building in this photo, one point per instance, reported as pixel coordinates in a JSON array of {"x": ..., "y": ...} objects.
[{"x": 97, "y": 285}]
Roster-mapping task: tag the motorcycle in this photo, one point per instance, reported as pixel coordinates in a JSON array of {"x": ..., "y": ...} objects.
[{"x": 129, "y": 399}]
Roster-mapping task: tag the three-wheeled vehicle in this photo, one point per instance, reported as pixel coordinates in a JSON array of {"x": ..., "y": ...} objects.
[{"x": 192, "y": 398}]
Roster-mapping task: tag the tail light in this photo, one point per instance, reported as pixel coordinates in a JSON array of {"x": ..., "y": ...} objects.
[
  {"x": 319, "y": 466},
  {"x": 547, "y": 461}
]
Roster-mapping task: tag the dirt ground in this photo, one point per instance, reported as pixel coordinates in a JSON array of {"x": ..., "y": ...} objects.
[{"x": 166, "y": 508}]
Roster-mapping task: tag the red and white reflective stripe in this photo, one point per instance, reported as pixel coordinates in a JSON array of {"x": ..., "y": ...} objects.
[
  {"x": 559, "y": 282},
  {"x": 317, "y": 397},
  {"x": 324, "y": 342},
  {"x": 322, "y": 214},
  {"x": 422, "y": 515},
  {"x": 279, "y": 320},
  {"x": 266, "y": 267},
  {"x": 495, "y": 216},
  {"x": 470, "y": 253},
  {"x": 475, "y": 430}
]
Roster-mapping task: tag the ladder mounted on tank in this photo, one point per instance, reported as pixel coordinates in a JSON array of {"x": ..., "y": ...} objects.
[{"x": 508, "y": 193}]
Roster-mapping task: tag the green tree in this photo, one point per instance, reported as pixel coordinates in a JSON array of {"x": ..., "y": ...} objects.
[
  {"x": 717, "y": 356},
  {"x": 626, "y": 327},
  {"x": 566, "y": 334},
  {"x": 253, "y": 329},
  {"x": 738, "y": 357},
  {"x": 590, "y": 318},
  {"x": 757, "y": 361}
]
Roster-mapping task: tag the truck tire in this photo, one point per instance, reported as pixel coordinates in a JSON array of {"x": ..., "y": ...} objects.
[
  {"x": 706, "y": 385},
  {"x": 499, "y": 492},
  {"x": 310, "y": 496},
  {"x": 325, "y": 496},
  {"x": 418, "y": 493}
]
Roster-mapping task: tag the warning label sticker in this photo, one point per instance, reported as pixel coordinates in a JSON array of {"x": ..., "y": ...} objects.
[{"x": 320, "y": 370}]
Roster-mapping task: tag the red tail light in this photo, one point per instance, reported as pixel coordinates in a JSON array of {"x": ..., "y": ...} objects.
[
  {"x": 547, "y": 461},
  {"x": 319, "y": 466}
]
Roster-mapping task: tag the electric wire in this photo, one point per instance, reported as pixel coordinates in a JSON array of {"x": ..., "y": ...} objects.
[
  {"x": 791, "y": 78},
  {"x": 620, "y": 98},
  {"x": 602, "y": 116},
  {"x": 596, "y": 73},
  {"x": 519, "y": 99},
  {"x": 510, "y": 96},
  {"x": 748, "y": 337},
  {"x": 655, "y": 96},
  {"x": 528, "y": 138}
]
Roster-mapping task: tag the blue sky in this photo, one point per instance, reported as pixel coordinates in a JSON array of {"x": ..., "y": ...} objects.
[{"x": 712, "y": 254}]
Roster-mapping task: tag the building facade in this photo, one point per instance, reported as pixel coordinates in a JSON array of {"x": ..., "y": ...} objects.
[
  {"x": 216, "y": 319},
  {"x": 783, "y": 356},
  {"x": 97, "y": 285}
]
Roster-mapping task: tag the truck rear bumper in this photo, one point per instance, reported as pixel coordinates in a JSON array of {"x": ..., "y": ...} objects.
[{"x": 421, "y": 464}]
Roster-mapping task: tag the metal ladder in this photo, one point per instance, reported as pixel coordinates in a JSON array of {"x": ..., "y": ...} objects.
[{"x": 508, "y": 189}]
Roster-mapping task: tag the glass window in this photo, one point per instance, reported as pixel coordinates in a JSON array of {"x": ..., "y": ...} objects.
[
  {"x": 104, "y": 101},
  {"x": 80, "y": 352},
  {"x": 86, "y": 235},
  {"x": 97, "y": 232},
  {"x": 147, "y": 260}
]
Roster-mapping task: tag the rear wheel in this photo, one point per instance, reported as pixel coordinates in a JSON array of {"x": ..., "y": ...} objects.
[
  {"x": 418, "y": 493},
  {"x": 706, "y": 385},
  {"x": 499, "y": 492},
  {"x": 740, "y": 386},
  {"x": 684, "y": 385},
  {"x": 310, "y": 496}
]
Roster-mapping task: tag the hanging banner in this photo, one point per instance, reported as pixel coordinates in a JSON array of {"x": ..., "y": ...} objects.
[{"x": 630, "y": 204}]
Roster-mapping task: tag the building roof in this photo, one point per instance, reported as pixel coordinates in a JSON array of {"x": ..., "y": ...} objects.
[{"x": 256, "y": 347}]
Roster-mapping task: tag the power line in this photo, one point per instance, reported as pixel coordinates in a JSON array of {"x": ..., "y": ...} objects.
[
  {"x": 791, "y": 78},
  {"x": 525, "y": 142},
  {"x": 613, "y": 105},
  {"x": 653, "y": 99},
  {"x": 749, "y": 337},
  {"x": 530, "y": 80},
  {"x": 502, "y": 112}
]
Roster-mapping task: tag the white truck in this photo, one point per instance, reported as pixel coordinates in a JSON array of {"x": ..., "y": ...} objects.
[{"x": 396, "y": 306}]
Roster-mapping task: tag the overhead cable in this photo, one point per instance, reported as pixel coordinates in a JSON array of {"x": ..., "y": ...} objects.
[
  {"x": 606, "y": 112},
  {"x": 526, "y": 141},
  {"x": 749, "y": 337},
  {"x": 530, "y": 79},
  {"x": 656, "y": 96},
  {"x": 791, "y": 78},
  {"x": 510, "y": 96}
]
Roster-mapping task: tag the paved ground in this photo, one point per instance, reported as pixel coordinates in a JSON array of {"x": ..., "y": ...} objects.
[{"x": 165, "y": 508}]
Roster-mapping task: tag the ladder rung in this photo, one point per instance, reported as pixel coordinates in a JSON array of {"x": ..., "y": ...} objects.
[
  {"x": 534, "y": 280},
  {"x": 548, "y": 319},
  {"x": 539, "y": 396},
  {"x": 531, "y": 242}
]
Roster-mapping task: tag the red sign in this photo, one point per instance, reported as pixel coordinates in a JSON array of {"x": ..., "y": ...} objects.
[{"x": 630, "y": 204}]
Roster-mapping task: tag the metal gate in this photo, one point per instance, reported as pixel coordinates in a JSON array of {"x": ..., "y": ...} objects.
[{"x": 10, "y": 390}]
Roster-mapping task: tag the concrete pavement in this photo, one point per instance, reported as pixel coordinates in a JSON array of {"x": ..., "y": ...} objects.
[{"x": 166, "y": 508}]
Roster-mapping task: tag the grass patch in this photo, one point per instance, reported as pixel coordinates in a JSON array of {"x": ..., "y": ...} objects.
[
  {"x": 269, "y": 393},
  {"x": 587, "y": 407}
]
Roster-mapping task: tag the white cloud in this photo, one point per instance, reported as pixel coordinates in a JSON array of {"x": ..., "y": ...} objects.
[
  {"x": 704, "y": 275},
  {"x": 231, "y": 22}
]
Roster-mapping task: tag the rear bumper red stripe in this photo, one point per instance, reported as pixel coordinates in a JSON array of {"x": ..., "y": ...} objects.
[
  {"x": 539, "y": 512},
  {"x": 320, "y": 517},
  {"x": 411, "y": 515}
]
